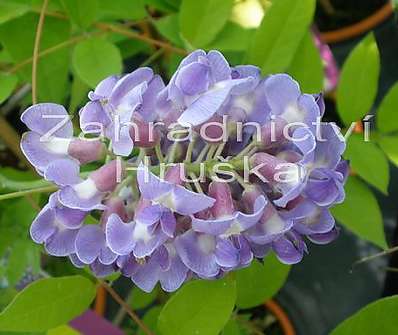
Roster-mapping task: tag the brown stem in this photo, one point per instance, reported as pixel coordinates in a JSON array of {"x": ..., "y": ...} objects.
[
  {"x": 126, "y": 307},
  {"x": 136, "y": 36},
  {"x": 36, "y": 48},
  {"x": 54, "y": 48},
  {"x": 372, "y": 257},
  {"x": 11, "y": 139}
]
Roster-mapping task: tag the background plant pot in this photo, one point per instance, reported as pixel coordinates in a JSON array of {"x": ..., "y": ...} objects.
[
  {"x": 337, "y": 27},
  {"x": 282, "y": 317}
]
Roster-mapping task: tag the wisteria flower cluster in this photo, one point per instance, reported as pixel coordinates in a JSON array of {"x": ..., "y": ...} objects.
[{"x": 191, "y": 179}]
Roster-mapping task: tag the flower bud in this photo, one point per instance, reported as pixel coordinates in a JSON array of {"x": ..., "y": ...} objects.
[
  {"x": 114, "y": 205},
  {"x": 144, "y": 134},
  {"x": 224, "y": 205},
  {"x": 106, "y": 177},
  {"x": 272, "y": 133},
  {"x": 86, "y": 151}
]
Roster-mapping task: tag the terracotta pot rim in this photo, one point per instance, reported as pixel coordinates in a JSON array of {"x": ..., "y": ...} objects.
[
  {"x": 359, "y": 28},
  {"x": 282, "y": 317}
]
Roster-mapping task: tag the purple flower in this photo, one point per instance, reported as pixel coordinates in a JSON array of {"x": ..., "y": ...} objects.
[
  {"x": 225, "y": 220},
  {"x": 88, "y": 194},
  {"x": 143, "y": 235},
  {"x": 116, "y": 104},
  {"x": 163, "y": 266},
  {"x": 154, "y": 220},
  {"x": 285, "y": 100},
  {"x": 57, "y": 226},
  {"x": 169, "y": 230},
  {"x": 51, "y": 139},
  {"x": 170, "y": 195},
  {"x": 201, "y": 87}
]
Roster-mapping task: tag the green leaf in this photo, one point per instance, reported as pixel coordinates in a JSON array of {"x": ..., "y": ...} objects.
[
  {"x": 200, "y": 307},
  {"x": 82, "y": 13},
  {"x": 201, "y": 21},
  {"x": 387, "y": 116},
  {"x": 260, "y": 282},
  {"x": 122, "y": 9},
  {"x": 377, "y": 318},
  {"x": 63, "y": 330},
  {"x": 164, "y": 5},
  {"x": 140, "y": 299},
  {"x": 151, "y": 320},
  {"x": 78, "y": 94},
  {"x": 129, "y": 48},
  {"x": 231, "y": 328},
  {"x": 358, "y": 81},
  {"x": 280, "y": 33},
  {"x": 8, "y": 82},
  {"x": 11, "y": 10},
  {"x": 47, "y": 303},
  {"x": 24, "y": 255},
  {"x": 95, "y": 59},
  {"x": 18, "y": 36},
  {"x": 376, "y": 170},
  {"x": 233, "y": 37},
  {"x": 361, "y": 213},
  {"x": 389, "y": 144},
  {"x": 168, "y": 27},
  {"x": 307, "y": 67},
  {"x": 19, "y": 211}
]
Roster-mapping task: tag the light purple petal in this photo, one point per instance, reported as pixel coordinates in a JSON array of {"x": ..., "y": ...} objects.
[
  {"x": 93, "y": 118},
  {"x": 36, "y": 152},
  {"x": 248, "y": 220},
  {"x": 208, "y": 104},
  {"x": 124, "y": 86},
  {"x": 220, "y": 69},
  {"x": 149, "y": 215},
  {"x": 146, "y": 276},
  {"x": 324, "y": 238},
  {"x": 48, "y": 117},
  {"x": 213, "y": 226},
  {"x": 107, "y": 256},
  {"x": 226, "y": 254},
  {"x": 122, "y": 143},
  {"x": 119, "y": 235},
  {"x": 193, "y": 79},
  {"x": 104, "y": 88},
  {"x": 176, "y": 274},
  {"x": 151, "y": 186},
  {"x": 328, "y": 152},
  {"x": 320, "y": 221},
  {"x": 148, "y": 109},
  {"x": 168, "y": 223},
  {"x": 197, "y": 253},
  {"x": 101, "y": 270},
  {"x": 63, "y": 172},
  {"x": 70, "y": 198},
  {"x": 187, "y": 202},
  {"x": 43, "y": 226},
  {"x": 146, "y": 241},
  {"x": 62, "y": 243},
  {"x": 89, "y": 242},
  {"x": 76, "y": 261},
  {"x": 281, "y": 90},
  {"x": 289, "y": 250}
]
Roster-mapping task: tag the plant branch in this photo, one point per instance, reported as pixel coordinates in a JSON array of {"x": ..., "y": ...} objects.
[
  {"x": 36, "y": 48},
  {"x": 126, "y": 307},
  {"x": 141, "y": 37},
  {"x": 11, "y": 138},
  {"x": 372, "y": 257},
  {"x": 18, "y": 194}
]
